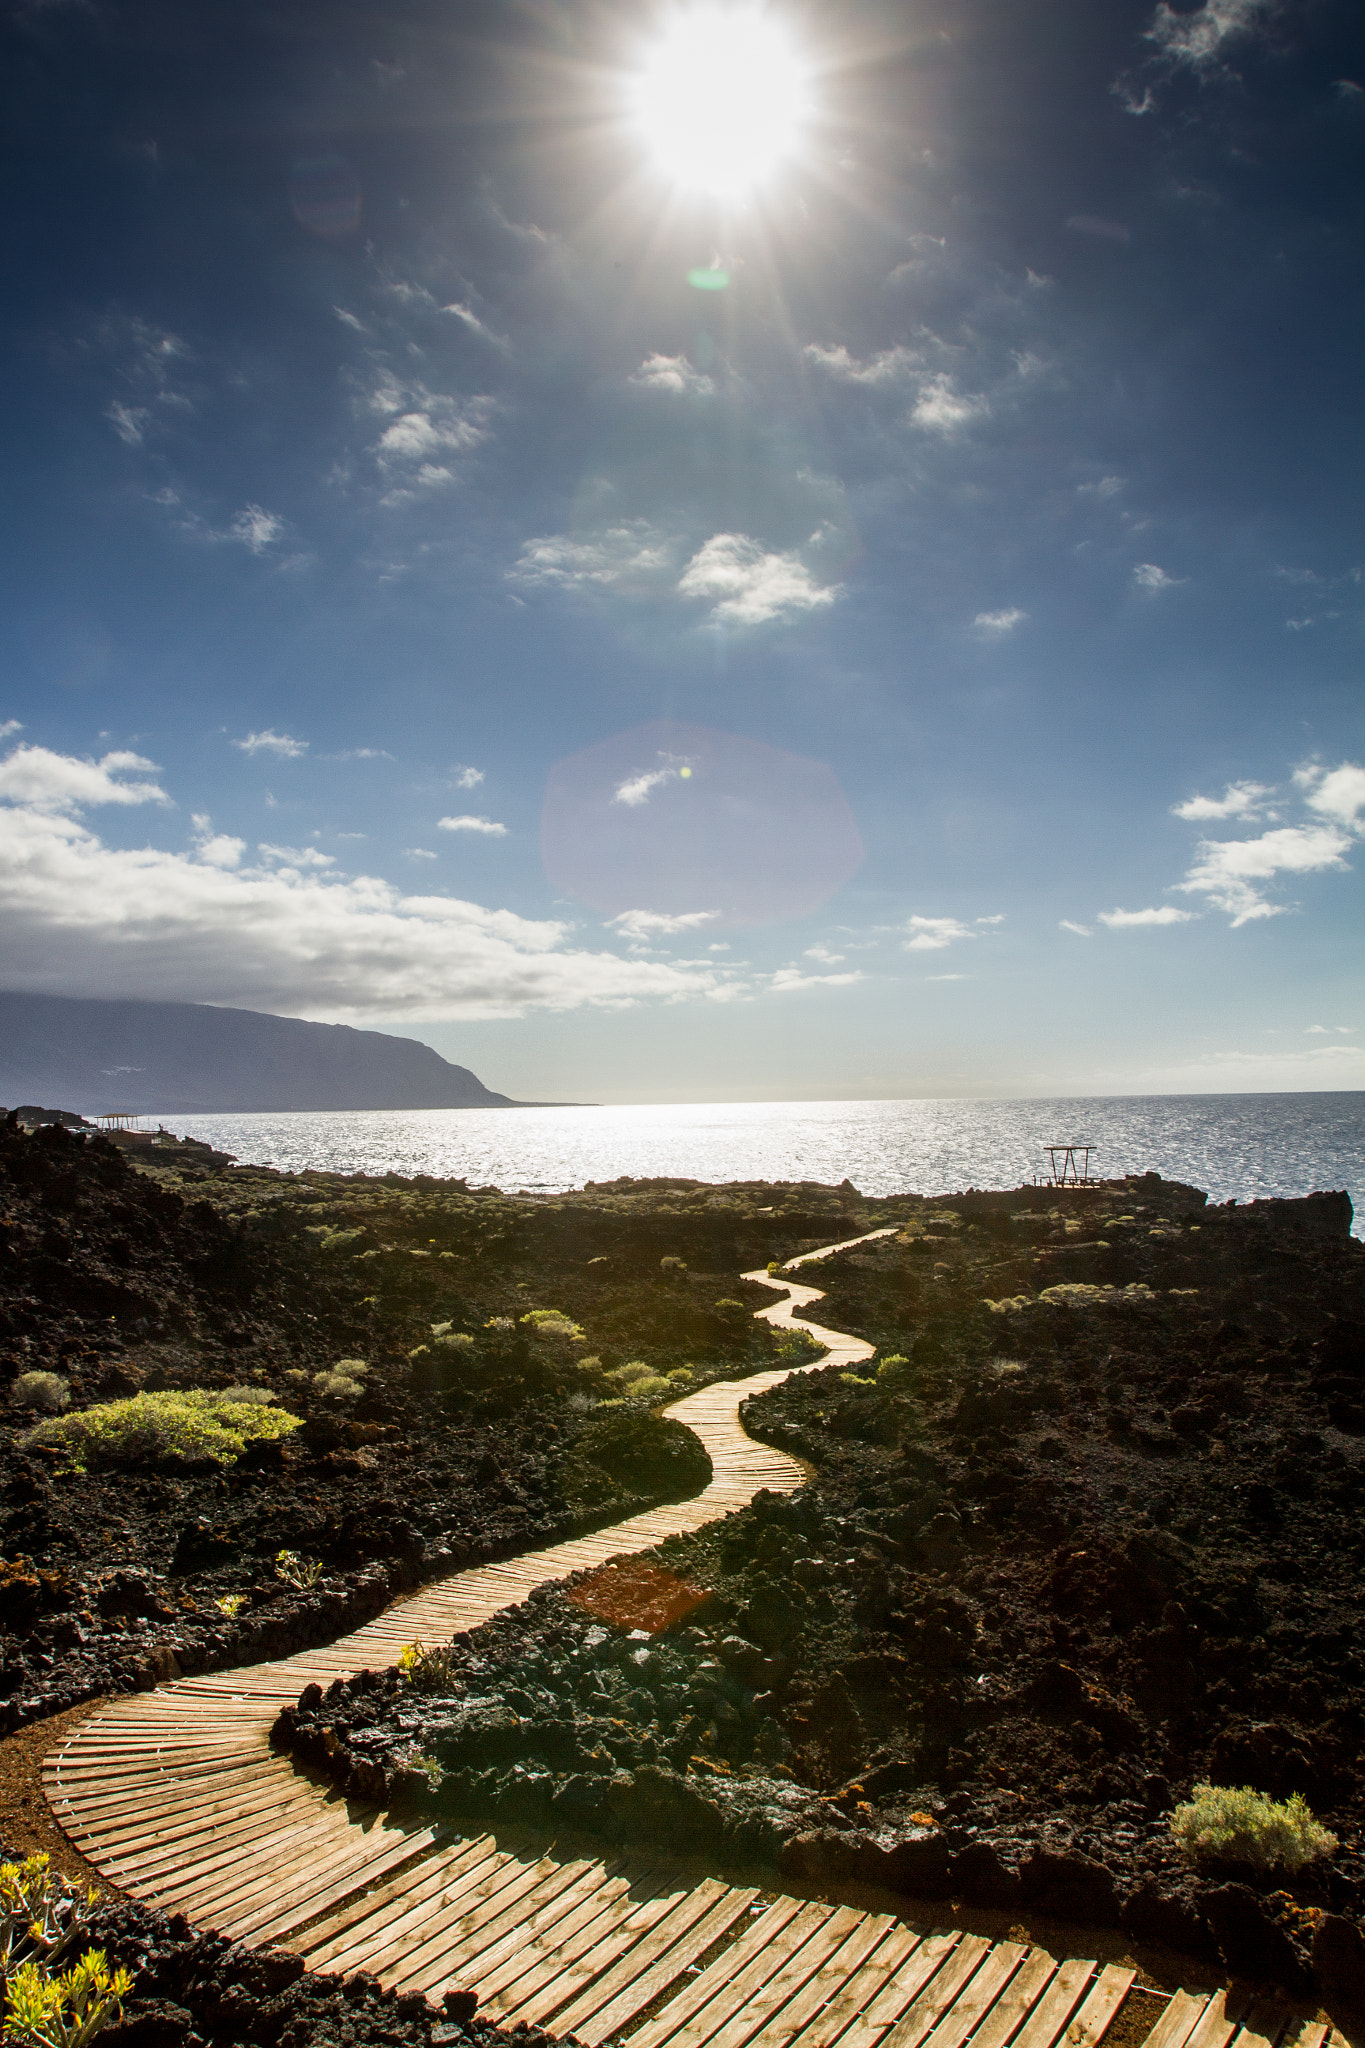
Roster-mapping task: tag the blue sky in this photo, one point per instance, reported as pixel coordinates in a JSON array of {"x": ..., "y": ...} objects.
[{"x": 883, "y": 619}]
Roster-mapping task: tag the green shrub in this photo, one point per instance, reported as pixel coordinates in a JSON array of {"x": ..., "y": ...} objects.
[
  {"x": 343, "y": 1381},
  {"x": 45, "y": 1390},
  {"x": 250, "y": 1397},
  {"x": 169, "y": 1428},
  {"x": 552, "y": 1322},
  {"x": 894, "y": 1371},
  {"x": 1223, "y": 1825}
]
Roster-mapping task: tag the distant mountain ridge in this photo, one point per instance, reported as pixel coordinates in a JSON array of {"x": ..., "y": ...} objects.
[{"x": 95, "y": 1055}]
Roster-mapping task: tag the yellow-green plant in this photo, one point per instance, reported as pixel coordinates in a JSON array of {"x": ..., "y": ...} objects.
[
  {"x": 66, "y": 2011},
  {"x": 552, "y": 1322},
  {"x": 1223, "y": 1824},
  {"x": 165, "y": 1428},
  {"x": 230, "y": 1604},
  {"x": 296, "y": 1571},
  {"x": 40, "y": 1913},
  {"x": 428, "y": 1670}
]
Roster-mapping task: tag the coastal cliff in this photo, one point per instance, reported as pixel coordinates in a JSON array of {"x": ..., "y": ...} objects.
[{"x": 97, "y": 1055}]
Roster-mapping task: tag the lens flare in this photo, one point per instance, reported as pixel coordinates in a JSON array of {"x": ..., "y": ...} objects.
[{"x": 721, "y": 99}]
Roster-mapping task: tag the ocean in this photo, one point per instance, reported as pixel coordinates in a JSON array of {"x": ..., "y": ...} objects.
[{"x": 1235, "y": 1147}]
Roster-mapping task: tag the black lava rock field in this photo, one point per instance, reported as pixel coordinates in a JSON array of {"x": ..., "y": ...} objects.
[{"x": 1086, "y": 1534}]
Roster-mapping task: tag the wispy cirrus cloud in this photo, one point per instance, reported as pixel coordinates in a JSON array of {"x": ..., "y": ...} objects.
[
  {"x": 995, "y": 625},
  {"x": 788, "y": 980},
  {"x": 1197, "y": 40},
  {"x": 638, "y": 789},
  {"x": 268, "y": 741}
]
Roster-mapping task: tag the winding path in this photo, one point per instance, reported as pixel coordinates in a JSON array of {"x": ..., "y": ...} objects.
[{"x": 177, "y": 1797}]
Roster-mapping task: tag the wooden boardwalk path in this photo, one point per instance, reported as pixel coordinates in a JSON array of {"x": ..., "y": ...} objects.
[{"x": 177, "y": 1797}]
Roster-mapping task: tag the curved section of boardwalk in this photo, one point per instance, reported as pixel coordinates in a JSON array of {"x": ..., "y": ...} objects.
[{"x": 177, "y": 1797}]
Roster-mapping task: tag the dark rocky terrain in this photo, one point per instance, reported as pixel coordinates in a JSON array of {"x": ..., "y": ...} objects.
[
  {"x": 1096, "y": 1537},
  {"x": 447, "y": 1451}
]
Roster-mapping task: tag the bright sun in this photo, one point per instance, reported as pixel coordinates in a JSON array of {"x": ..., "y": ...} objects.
[{"x": 721, "y": 98}]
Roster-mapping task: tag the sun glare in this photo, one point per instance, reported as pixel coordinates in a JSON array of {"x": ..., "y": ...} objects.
[{"x": 721, "y": 99}]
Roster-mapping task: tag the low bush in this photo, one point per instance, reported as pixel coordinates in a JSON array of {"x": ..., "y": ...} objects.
[
  {"x": 343, "y": 1381},
  {"x": 249, "y": 1397},
  {"x": 66, "y": 2011},
  {"x": 430, "y": 1670},
  {"x": 166, "y": 1428},
  {"x": 1224, "y": 1825},
  {"x": 47, "y": 1391},
  {"x": 552, "y": 1322}
]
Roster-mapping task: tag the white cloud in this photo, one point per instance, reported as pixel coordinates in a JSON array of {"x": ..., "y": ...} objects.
[
  {"x": 824, "y": 956},
  {"x": 363, "y": 754},
  {"x": 786, "y": 980},
  {"x": 59, "y": 782},
  {"x": 1082, "y": 931},
  {"x": 468, "y": 778},
  {"x": 998, "y": 623},
  {"x": 1148, "y": 576},
  {"x": 256, "y": 528},
  {"x": 1337, "y": 793},
  {"x": 634, "y": 554},
  {"x": 294, "y": 856},
  {"x": 425, "y": 432},
  {"x": 1326, "y": 1030},
  {"x": 129, "y": 422},
  {"x": 639, "y": 788},
  {"x": 947, "y": 977},
  {"x": 1197, "y": 39},
  {"x": 271, "y": 742},
  {"x": 215, "y": 849},
  {"x": 1127, "y": 920},
  {"x": 931, "y": 934},
  {"x": 419, "y": 853},
  {"x": 1239, "y": 800},
  {"x": 641, "y": 925},
  {"x": 467, "y": 823},
  {"x": 943, "y": 409},
  {"x": 1230, "y": 871},
  {"x": 751, "y": 585},
  {"x": 1106, "y": 487},
  {"x": 11, "y": 726},
  {"x": 470, "y": 319},
  {"x": 891, "y": 366},
  {"x": 78, "y": 917},
  {"x": 999, "y": 918},
  {"x": 674, "y": 374},
  {"x": 348, "y": 319}
]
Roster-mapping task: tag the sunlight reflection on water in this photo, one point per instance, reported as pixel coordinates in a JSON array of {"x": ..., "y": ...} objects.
[{"x": 1234, "y": 1146}]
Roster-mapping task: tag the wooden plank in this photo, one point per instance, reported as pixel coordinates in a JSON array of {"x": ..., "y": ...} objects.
[
  {"x": 972, "y": 2004},
  {"x": 1017, "y": 2001},
  {"x": 840, "y": 1969},
  {"x": 932, "y": 1961},
  {"x": 1179, "y": 2021},
  {"x": 1220, "y": 2019},
  {"x": 1106, "y": 1995},
  {"x": 610, "y": 2004},
  {"x": 502, "y": 1888},
  {"x": 572, "y": 1954},
  {"x": 1052, "y": 2013},
  {"x": 718, "y": 1995},
  {"x": 766, "y": 1928},
  {"x": 890, "y": 1956},
  {"x": 738, "y": 2023},
  {"x": 486, "y": 1939},
  {"x": 1264, "y": 2023},
  {"x": 441, "y": 1871},
  {"x": 928, "y": 2009}
]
